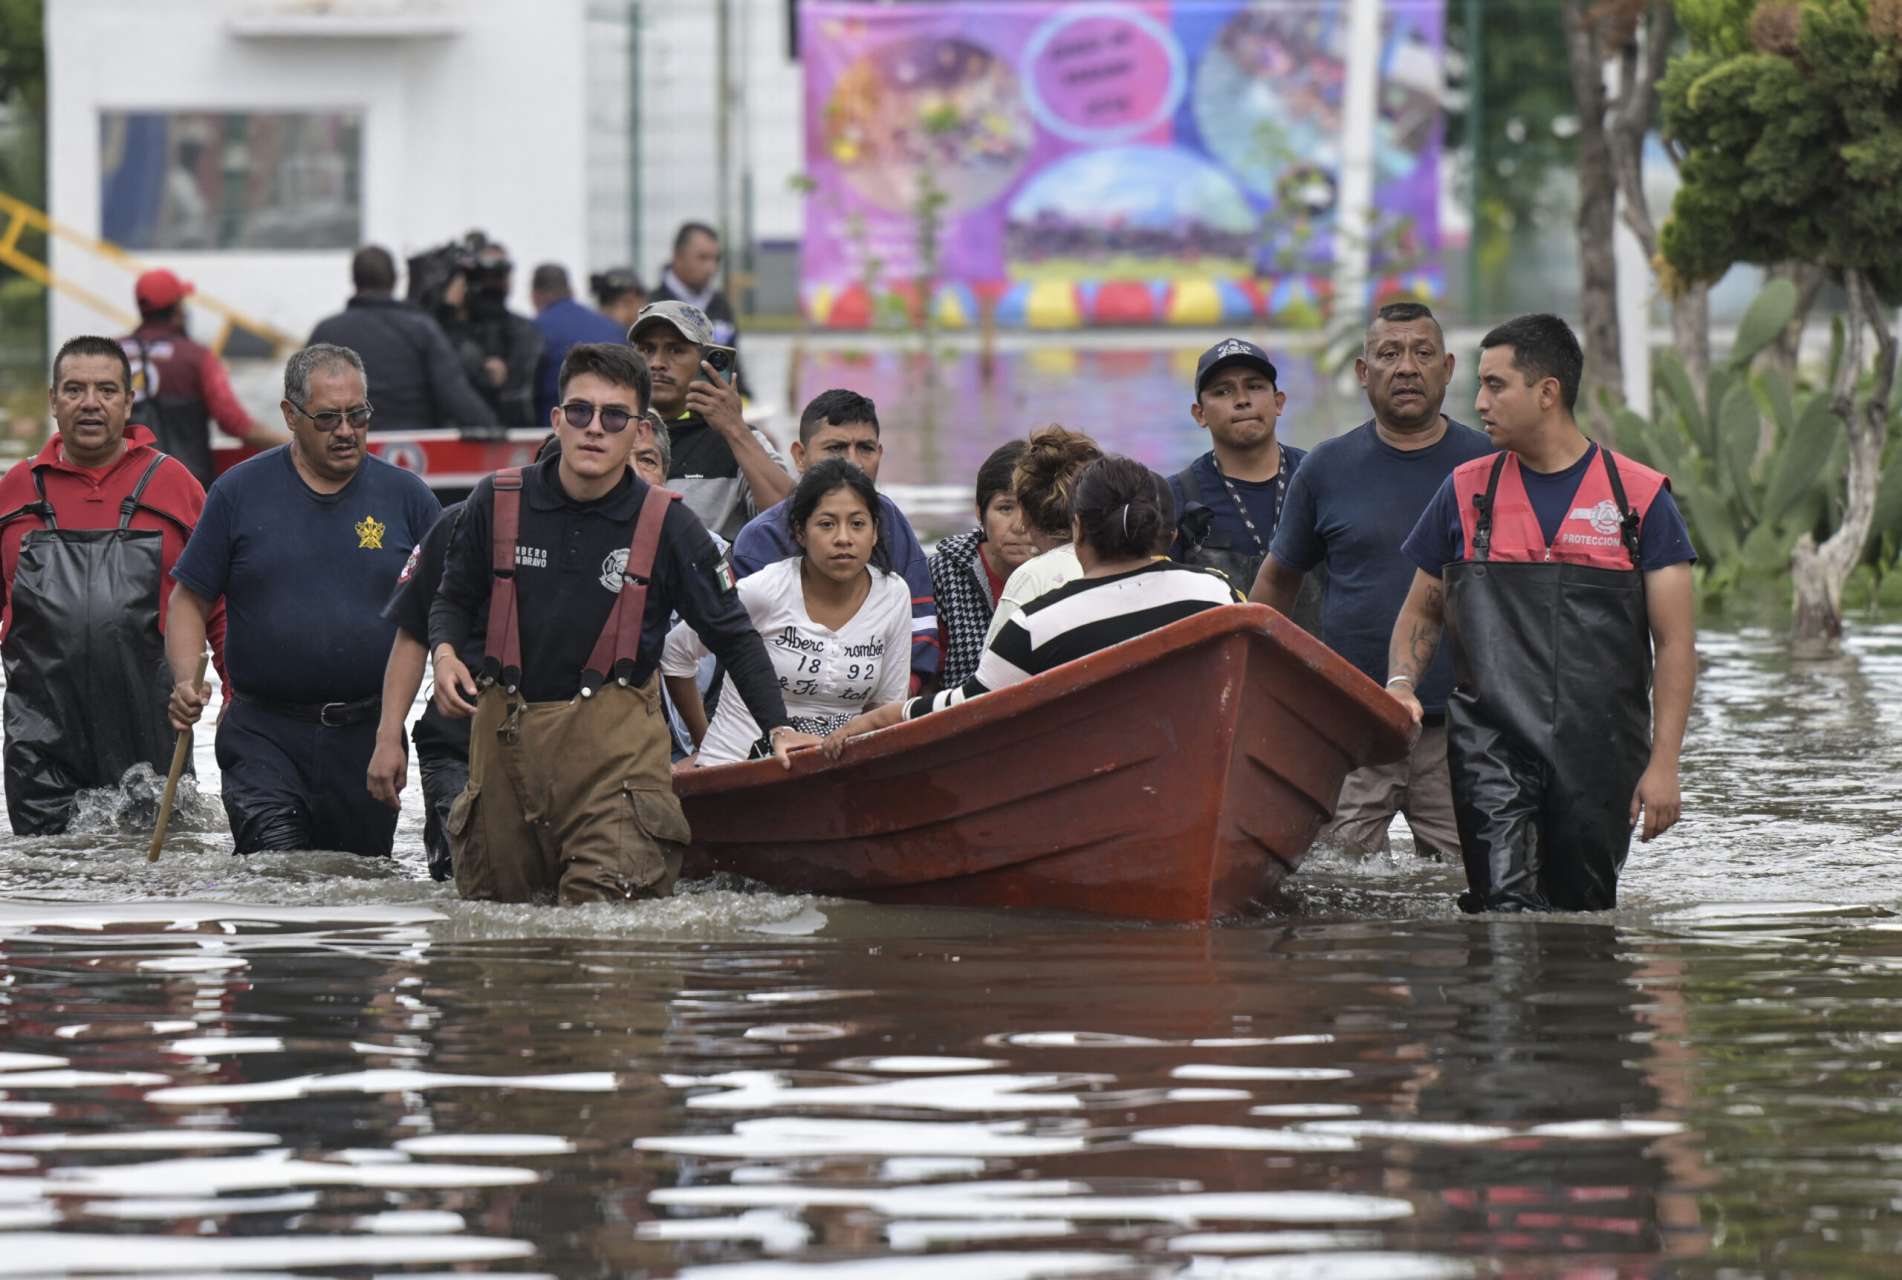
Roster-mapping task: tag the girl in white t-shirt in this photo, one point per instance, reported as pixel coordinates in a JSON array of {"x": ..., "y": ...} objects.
[
  {"x": 1045, "y": 477},
  {"x": 836, "y": 621}
]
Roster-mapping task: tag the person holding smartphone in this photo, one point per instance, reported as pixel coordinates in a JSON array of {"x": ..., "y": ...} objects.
[{"x": 726, "y": 471}]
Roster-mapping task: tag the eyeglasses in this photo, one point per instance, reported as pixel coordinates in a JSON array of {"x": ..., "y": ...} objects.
[
  {"x": 330, "y": 419},
  {"x": 614, "y": 418}
]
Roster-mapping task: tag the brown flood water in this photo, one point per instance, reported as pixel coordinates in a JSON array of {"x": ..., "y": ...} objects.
[{"x": 303, "y": 1064}]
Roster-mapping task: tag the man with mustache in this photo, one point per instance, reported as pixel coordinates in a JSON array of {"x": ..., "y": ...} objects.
[
  {"x": 303, "y": 545},
  {"x": 1349, "y": 508},
  {"x": 90, "y": 531}
]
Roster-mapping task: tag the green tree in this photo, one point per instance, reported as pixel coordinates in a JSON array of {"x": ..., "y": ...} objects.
[{"x": 1789, "y": 118}]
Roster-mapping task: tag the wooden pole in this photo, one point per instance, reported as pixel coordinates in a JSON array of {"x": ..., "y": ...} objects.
[{"x": 180, "y": 753}]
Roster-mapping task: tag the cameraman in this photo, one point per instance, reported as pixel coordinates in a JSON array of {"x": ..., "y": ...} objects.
[
  {"x": 418, "y": 379},
  {"x": 726, "y": 471},
  {"x": 499, "y": 349}
]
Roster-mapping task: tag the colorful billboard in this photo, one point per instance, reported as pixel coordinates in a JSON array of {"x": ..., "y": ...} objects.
[{"x": 1066, "y": 164}]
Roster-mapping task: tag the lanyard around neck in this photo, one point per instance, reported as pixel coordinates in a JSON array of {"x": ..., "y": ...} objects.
[{"x": 1241, "y": 508}]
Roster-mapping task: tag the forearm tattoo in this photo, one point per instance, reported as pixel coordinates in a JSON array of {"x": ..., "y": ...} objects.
[{"x": 1423, "y": 637}]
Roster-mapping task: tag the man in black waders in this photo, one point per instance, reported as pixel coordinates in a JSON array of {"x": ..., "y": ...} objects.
[
  {"x": 1558, "y": 571},
  {"x": 580, "y": 565},
  {"x": 90, "y": 530}
]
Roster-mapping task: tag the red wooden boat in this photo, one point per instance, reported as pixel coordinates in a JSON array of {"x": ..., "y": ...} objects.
[{"x": 1172, "y": 777}]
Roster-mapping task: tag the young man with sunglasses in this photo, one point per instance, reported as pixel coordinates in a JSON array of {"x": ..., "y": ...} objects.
[
  {"x": 303, "y": 545},
  {"x": 579, "y": 565}
]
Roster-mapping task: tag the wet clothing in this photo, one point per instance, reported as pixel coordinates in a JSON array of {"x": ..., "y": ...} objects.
[
  {"x": 719, "y": 310},
  {"x": 1350, "y": 506},
  {"x": 563, "y": 324},
  {"x": 568, "y": 802},
  {"x": 85, "y": 552},
  {"x": 569, "y": 562},
  {"x": 289, "y": 782},
  {"x": 1031, "y": 580},
  {"x": 767, "y": 539},
  {"x": 415, "y": 379},
  {"x": 705, "y": 473},
  {"x": 826, "y": 676},
  {"x": 180, "y": 388},
  {"x": 1082, "y": 617},
  {"x": 305, "y": 575},
  {"x": 442, "y": 743},
  {"x": 1418, "y": 787},
  {"x": 964, "y": 594},
  {"x": 1549, "y": 721},
  {"x": 570, "y": 794}
]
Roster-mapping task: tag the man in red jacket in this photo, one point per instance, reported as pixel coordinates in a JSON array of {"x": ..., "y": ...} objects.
[{"x": 89, "y": 531}]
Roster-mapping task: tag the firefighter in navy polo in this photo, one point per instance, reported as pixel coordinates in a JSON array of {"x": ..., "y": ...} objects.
[
  {"x": 1560, "y": 573},
  {"x": 581, "y": 564}
]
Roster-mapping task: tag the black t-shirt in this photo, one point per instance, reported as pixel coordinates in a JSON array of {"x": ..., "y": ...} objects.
[
  {"x": 409, "y": 609},
  {"x": 304, "y": 575},
  {"x": 569, "y": 560}
]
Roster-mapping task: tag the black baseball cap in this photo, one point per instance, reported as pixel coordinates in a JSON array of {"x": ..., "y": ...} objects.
[{"x": 1233, "y": 351}]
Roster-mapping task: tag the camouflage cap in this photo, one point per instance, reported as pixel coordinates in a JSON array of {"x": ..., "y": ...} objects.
[{"x": 690, "y": 321}]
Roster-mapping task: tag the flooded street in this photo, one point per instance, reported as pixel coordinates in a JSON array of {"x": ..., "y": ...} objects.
[
  {"x": 313, "y": 1065},
  {"x": 310, "y": 1064}
]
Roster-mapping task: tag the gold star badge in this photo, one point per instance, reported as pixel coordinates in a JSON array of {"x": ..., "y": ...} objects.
[{"x": 369, "y": 534}]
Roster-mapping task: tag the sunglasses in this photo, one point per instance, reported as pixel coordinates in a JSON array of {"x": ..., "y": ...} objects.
[
  {"x": 614, "y": 418},
  {"x": 329, "y": 420}
]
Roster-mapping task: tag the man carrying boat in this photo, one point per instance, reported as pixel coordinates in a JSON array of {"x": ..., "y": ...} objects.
[
  {"x": 90, "y": 531},
  {"x": 1559, "y": 572},
  {"x": 580, "y": 564},
  {"x": 1349, "y": 508}
]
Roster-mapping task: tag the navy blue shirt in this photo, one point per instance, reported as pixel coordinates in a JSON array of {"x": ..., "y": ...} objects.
[
  {"x": 305, "y": 575},
  {"x": 1350, "y": 506},
  {"x": 767, "y": 539},
  {"x": 563, "y": 324},
  {"x": 1438, "y": 540},
  {"x": 1226, "y": 529}
]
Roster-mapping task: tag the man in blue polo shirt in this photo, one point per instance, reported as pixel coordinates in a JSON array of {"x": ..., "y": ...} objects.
[
  {"x": 303, "y": 544},
  {"x": 563, "y": 323},
  {"x": 844, "y": 424},
  {"x": 1350, "y": 506}
]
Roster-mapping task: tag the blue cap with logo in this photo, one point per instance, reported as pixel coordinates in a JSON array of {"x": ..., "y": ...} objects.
[{"x": 1233, "y": 351}]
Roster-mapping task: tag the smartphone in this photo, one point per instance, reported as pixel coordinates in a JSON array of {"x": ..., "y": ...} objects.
[{"x": 721, "y": 358}]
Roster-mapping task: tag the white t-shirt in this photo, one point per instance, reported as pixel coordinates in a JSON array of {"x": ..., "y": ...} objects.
[
  {"x": 1031, "y": 579},
  {"x": 826, "y": 676}
]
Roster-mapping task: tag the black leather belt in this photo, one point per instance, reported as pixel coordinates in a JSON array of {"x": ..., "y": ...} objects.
[{"x": 332, "y": 715}]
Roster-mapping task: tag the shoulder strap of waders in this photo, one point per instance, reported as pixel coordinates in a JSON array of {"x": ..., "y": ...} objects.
[
  {"x": 41, "y": 510},
  {"x": 619, "y": 643},
  {"x": 132, "y": 504},
  {"x": 1483, "y": 503},
  {"x": 502, "y": 650},
  {"x": 1628, "y": 517}
]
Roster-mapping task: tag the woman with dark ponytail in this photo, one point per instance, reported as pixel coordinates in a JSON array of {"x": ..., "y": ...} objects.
[{"x": 1120, "y": 513}]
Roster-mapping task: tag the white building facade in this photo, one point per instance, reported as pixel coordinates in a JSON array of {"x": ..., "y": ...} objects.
[{"x": 253, "y": 145}]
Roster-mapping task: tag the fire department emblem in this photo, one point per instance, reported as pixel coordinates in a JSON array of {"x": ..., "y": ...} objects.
[
  {"x": 369, "y": 534},
  {"x": 614, "y": 569}
]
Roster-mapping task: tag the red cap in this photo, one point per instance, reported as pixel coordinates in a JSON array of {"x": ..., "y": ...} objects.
[{"x": 157, "y": 290}]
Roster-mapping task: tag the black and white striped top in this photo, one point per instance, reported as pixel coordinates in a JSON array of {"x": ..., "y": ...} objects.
[{"x": 1082, "y": 617}]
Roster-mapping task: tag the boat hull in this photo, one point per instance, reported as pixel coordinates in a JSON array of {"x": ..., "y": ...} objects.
[{"x": 1174, "y": 777}]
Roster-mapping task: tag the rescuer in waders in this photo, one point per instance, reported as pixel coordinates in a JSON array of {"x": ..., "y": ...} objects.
[
  {"x": 581, "y": 564},
  {"x": 1560, "y": 573},
  {"x": 89, "y": 531}
]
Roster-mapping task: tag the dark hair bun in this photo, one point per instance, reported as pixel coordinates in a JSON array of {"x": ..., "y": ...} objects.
[{"x": 1125, "y": 508}]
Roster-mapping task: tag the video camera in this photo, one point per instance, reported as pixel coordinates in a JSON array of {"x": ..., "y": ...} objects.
[{"x": 474, "y": 256}]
